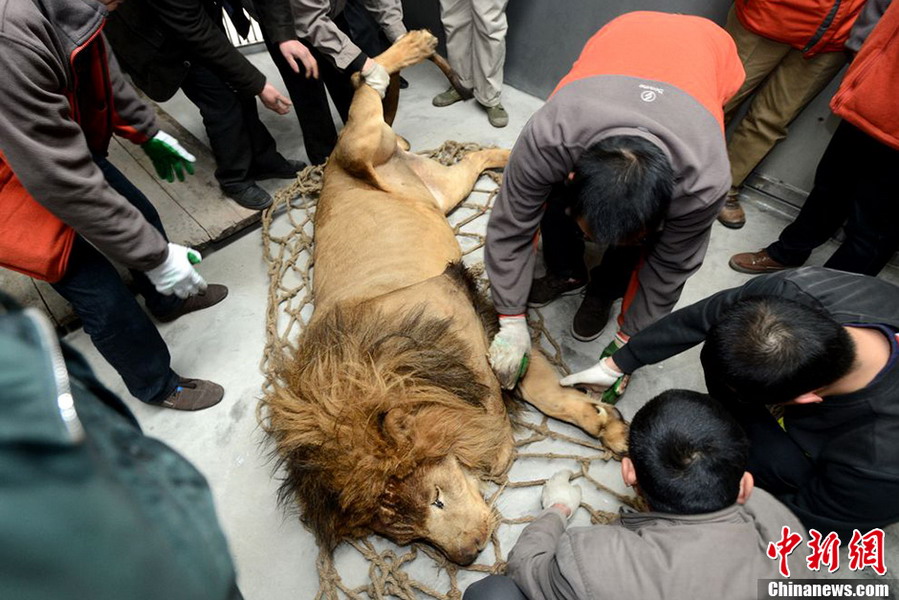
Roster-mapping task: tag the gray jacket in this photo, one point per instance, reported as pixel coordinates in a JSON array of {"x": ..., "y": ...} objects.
[
  {"x": 42, "y": 142},
  {"x": 579, "y": 115},
  {"x": 656, "y": 556},
  {"x": 314, "y": 24}
]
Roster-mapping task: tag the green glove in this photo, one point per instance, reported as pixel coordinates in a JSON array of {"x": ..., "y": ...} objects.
[
  {"x": 616, "y": 390},
  {"x": 169, "y": 157}
]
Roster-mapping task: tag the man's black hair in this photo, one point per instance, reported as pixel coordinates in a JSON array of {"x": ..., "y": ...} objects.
[
  {"x": 688, "y": 452},
  {"x": 768, "y": 350},
  {"x": 622, "y": 186}
]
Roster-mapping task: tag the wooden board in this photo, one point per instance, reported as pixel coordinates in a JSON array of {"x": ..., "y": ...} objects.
[{"x": 194, "y": 212}]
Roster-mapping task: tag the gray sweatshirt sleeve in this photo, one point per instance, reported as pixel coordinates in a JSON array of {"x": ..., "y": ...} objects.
[
  {"x": 534, "y": 562},
  {"x": 389, "y": 15},
  {"x": 673, "y": 258},
  {"x": 536, "y": 163},
  {"x": 47, "y": 151},
  {"x": 313, "y": 24}
]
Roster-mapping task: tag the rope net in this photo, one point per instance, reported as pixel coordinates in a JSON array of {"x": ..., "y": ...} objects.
[{"x": 374, "y": 568}]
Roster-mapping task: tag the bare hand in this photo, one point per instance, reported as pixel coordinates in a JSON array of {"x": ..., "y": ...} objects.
[
  {"x": 274, "y": 100},
  {"x": 293, "y": 50}
]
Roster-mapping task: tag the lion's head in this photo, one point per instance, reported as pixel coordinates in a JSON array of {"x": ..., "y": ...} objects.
[{"x": 383, "y": 427}]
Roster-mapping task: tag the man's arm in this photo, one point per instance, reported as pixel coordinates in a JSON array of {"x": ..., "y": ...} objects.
[
  {"x": 533, "y": 563},
  {"x": 674, "y": 257},
  {"x": 314, "y": 25},
  {"x": 193, "y": 28},
  {"x": 389, "y": 15},
  {"x": 47, "y": 151},
  {"x": 687, "y": 327},
  {"x": 536, "y": 163}
]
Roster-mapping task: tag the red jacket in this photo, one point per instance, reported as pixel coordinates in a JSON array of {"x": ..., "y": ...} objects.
[
  {"x": 812, "y": 26},
  {"x": 867, "y": 97},
  {"x": 61, "y": 101}
]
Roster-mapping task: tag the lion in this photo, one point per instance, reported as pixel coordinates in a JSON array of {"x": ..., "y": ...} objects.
[{"x": 388, "y": 416}]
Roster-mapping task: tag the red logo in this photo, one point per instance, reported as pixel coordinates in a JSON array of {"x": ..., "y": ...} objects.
[{"x": 864, "y": 550}]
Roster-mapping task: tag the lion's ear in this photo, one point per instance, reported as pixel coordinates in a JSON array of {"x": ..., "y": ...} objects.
[{"x": 398, "y": 425}]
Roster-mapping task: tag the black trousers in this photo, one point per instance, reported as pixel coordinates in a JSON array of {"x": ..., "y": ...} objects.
[
  {"x": 111, "y": 316},
  {"x": 563, "y": 253},
  {"x": 494, "y": 587},
  {"x": 240, "y": 143},
  {"x": 855, "y": 185},
  {"x": 310, "y": 97}
]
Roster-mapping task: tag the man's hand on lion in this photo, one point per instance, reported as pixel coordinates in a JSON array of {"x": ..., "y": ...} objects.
[
  {"x": 508, "y": 349},
  {"x": 604, "y": 376},
  {"x": 376, "y": 76}
]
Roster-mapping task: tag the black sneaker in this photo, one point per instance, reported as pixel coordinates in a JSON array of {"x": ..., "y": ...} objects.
[
  {"x": 549, "y": 287},
  {"x": 252, "y": 197},
  {"x": 591, "y": 318}
]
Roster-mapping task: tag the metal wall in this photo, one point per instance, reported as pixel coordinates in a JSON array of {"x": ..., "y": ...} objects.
[{"x": 546, "y": 36}]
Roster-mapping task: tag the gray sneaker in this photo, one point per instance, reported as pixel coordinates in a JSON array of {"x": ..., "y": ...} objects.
[
  {"x": 497, "y": 115},
  {"x": 450, "y": 96}
]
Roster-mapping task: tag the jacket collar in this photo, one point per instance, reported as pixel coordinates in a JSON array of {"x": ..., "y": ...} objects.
[
  {"x": 634, "y": 520},
  {"x": 75, "y": 21}
]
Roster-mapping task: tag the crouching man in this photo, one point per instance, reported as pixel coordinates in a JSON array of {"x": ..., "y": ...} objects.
[
  {"x": 821, "y": 343},
  {"x": 705, "y": 536}
]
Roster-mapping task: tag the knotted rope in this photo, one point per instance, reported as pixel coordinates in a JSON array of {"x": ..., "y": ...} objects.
[{"x": 419, "y": 571}]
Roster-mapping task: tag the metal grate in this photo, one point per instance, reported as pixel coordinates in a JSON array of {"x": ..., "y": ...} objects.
[{"x": 254, "y": 37}]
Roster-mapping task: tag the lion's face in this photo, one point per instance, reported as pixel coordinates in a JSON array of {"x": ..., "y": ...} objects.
[
  {"x": 457, "y": 521},
  {"x": 440, "y": 504}
]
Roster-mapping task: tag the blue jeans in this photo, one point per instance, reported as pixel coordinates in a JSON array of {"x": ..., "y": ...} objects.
[
  {"x": 494, "y": 587},
  {"x": 118, "y": 327}
]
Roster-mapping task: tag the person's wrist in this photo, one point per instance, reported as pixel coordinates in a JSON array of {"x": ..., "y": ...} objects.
[
  {"x": 563, "y": 508},
  {"x": 611, "y": 366}
]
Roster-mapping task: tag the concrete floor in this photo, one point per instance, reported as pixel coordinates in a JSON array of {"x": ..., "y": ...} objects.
[{"x": 273, "y": 553}]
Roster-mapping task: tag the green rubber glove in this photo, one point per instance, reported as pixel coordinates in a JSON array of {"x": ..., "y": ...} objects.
[
  {"x": 169, "y": 157},
  {"x": 617, "y": 389}
]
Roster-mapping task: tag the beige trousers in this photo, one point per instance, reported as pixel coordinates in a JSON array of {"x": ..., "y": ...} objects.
[
  {"x": 476, "y": 44},
  {"x": 786, "y": 83}
]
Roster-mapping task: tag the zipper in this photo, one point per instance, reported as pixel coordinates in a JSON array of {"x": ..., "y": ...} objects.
[
  {"x": 64, "y": 401},
  {"x": 822, "y": 29}
]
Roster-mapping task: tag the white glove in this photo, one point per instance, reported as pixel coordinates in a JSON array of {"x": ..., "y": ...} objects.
[
  {"x": 558, "y": 490},
  {"x": 176, "y": 275},
  {"x": 376, "y": 76},
  {"x": 508, "y": 349},
  {"x": 600, "y": 376}
]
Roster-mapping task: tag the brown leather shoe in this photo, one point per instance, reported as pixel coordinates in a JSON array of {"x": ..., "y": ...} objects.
[
  {"x": 214, "y": 294},
  {"x": 194, "y": 394},
  {"x": 755, "y": 263},
  {"x": 732, "y": 215}
]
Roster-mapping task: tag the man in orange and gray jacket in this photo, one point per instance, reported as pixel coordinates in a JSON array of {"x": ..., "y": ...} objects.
[
  {"x": 791, "y": 49},
  {"x": 62, "y": 203},
  {"x": 629, "y": 148}
]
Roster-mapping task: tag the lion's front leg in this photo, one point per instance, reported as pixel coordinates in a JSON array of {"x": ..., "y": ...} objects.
[{"x": 540, "y": 387}]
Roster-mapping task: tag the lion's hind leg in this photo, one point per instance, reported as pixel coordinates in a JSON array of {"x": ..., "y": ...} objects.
[{"x": 451, "y": 185}]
